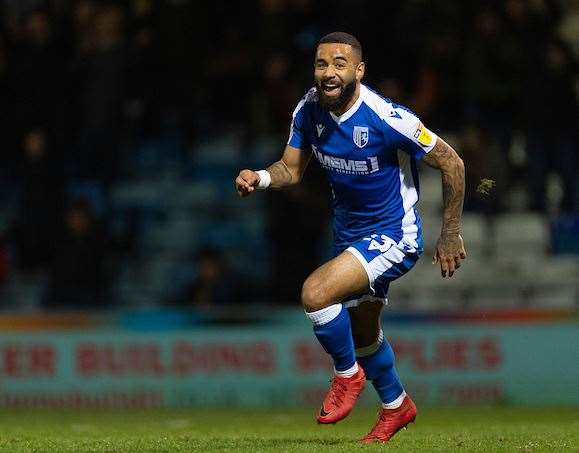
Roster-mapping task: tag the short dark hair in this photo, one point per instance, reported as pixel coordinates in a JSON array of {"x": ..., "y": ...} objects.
[{"x": 342, "y": 38}]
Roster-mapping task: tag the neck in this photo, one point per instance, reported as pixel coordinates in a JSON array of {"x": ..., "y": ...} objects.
[{"x": 350, "y": 103}]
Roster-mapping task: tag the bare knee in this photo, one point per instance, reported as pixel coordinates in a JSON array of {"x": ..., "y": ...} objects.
[{"x": 315, "y": 295}]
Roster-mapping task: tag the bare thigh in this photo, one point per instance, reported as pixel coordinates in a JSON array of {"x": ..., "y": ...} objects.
[
  {"x": 365, "y": 319},
  {"x": 341, "y": 277}
]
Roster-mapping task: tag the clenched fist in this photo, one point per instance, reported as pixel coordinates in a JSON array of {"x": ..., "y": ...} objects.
[{"x": 246, "y": 182}]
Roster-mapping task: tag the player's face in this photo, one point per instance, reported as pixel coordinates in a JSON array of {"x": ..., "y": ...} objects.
[{"x": 337, "y": 72}]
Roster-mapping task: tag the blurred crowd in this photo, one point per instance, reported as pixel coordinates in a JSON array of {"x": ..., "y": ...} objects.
[{"x": 83, "y": 81}]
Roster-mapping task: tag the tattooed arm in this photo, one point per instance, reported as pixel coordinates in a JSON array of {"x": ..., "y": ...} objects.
[
  {"x": 285, "y": 172},
  {"x": 290, "y": 168},
  {"x": 450, "y": 247}
]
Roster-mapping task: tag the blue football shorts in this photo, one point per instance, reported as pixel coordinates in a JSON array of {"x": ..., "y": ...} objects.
[{"x": 384, "y": 260}]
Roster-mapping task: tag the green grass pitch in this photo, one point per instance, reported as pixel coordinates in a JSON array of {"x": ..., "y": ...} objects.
[{"x": 444, "y": 429}]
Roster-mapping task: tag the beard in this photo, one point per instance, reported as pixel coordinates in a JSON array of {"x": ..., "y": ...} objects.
[{"x": 338, "y": 103}]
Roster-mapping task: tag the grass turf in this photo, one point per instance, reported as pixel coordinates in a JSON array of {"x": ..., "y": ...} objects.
[{"x": 445, "y": 429}]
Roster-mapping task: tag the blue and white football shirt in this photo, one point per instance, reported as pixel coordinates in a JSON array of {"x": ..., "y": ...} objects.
[{"x": 369, "y": 154}]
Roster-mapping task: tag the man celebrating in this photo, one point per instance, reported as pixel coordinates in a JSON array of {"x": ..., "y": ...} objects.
[{"x": 369, "y": 147}]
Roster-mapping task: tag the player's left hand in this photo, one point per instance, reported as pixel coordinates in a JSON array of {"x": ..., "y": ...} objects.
[{"x": 449, "y": 253}]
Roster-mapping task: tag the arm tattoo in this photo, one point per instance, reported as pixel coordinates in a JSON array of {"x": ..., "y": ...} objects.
[
  {"x": 443, "y": 157},
  {"x": 280, "y": 175}
]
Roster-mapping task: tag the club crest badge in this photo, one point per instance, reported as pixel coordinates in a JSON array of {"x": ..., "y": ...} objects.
[{"x": 360, "y": 136}]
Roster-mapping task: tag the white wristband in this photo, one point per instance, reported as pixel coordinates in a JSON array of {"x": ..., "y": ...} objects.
[{"x": 264, "y": 179}]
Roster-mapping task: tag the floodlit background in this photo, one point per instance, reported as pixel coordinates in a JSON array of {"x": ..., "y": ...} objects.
[{"x": 129, "y": 266}]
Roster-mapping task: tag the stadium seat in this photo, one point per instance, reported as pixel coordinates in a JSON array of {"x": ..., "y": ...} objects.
[
  {"x": 522, "y": 231},
  {"x": 220, "y": 150}
]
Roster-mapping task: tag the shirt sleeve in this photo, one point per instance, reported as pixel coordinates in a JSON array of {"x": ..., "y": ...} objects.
[
  {"x": 298, "y": 136},
  {"x": 414, "y": 138}
]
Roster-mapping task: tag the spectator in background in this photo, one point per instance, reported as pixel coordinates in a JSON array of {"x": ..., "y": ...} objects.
[
  {"x": 280, "y": 93},
  {"x": 83, "y": 17},
  {"x": 39, "y": 203},
  {"x": 552, "y": 113},
  {"x": 297, "y": 216},
  {"x": 144, "y": 79},
  {"x": 228, "y": 70},
  {"x": 100, "y": 72},
  {"x": 37, "y": 70},
  {"x": 78, "y": 276},
  {"x": 493, "y": 79},
  {"x": 4, "y": 262},
  {"x": 484, "y": 160},
  {"x": 6, "y": 113},
  {"x": 438, "y": 95},
  {"x": 216, "y": 283},
  {"x": 568, "y": 29}
]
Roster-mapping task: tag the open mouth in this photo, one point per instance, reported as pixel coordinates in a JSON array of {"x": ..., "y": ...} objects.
[{"x": 331, "y": 88}]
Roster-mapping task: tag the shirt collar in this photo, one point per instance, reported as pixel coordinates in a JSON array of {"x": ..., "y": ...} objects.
[{"x": 348, "y": 113}]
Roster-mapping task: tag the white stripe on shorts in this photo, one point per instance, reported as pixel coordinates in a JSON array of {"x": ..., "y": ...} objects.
[{"x": 380, "y": 264}]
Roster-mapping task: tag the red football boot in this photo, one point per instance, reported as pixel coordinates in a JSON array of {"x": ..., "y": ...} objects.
[
  {"x": 341, "y": 398},
  {"x": 390, "y": 421}
]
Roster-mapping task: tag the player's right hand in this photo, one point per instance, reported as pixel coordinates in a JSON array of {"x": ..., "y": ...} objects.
[
  {"x": 448, "y": 253},
  {"x": 246, "y": 182}
]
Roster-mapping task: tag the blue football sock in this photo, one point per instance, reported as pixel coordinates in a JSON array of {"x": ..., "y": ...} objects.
[
  {"x": 379, "y": 368},
  {"x": 334, "y": 332}
]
